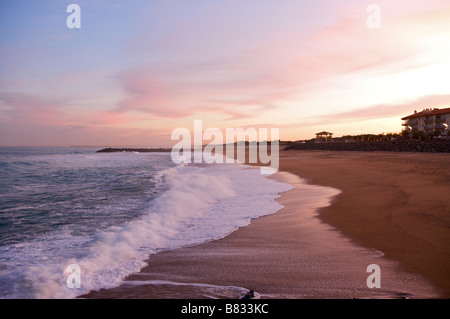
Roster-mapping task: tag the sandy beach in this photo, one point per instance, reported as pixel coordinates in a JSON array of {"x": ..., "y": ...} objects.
[
  {"x": 397, "y": 203},
  {"x": 384, "y": 208}
]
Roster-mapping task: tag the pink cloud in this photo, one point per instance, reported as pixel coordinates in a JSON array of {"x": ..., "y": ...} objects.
[
  {"x": 34, "y": 110},
  {"x": 146, "y": 92},
  {"x": 380, "y": 111},
  {"x": 190, "y": 89},
  {"x": 267, "y": 72},
  {"x": 32, "y": 120},
  {"x": 12, "y": 134},
  {"x": 24, "y": 108}
]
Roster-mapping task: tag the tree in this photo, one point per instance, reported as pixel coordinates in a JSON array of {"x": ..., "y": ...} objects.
[
  {"x": 419, "y": 135},
  {"x": 437, "y": 133},
  {"x": 405, "y": 134}
]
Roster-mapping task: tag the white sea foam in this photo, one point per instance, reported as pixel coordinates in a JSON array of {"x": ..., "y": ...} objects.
[{"x": 200, "y": 203}]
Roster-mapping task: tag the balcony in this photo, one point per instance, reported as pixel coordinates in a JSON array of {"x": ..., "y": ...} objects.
[
  {"x": 439, "y": 119},
  {"x": 410, "y": 123}
]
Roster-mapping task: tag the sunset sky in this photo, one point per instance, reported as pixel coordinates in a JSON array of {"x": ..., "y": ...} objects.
[{"x": 137, "y": 69}]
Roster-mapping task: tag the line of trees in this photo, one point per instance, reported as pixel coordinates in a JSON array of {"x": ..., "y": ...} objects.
[{"x": 404, "y": 135}]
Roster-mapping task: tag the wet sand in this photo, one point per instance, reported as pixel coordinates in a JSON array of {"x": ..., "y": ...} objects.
[{"x": 392, "y": 210}]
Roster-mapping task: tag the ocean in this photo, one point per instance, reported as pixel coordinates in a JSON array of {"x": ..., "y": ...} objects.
[{"x": 109, "y": 212}]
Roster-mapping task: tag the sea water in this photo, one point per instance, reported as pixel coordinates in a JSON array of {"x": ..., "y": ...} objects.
[{"x": 108, "y": 212}]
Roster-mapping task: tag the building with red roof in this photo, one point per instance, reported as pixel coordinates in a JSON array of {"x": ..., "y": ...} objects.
[{"x": 431, "y": 121}]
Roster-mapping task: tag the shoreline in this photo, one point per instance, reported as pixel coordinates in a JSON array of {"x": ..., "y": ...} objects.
[
  {"x": 252, "y": 257},
  {"x": 402, "y": 206},
  {"x": 421, "y": 146}
]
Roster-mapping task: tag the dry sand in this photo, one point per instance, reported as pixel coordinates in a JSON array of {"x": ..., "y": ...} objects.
[{"x": 393, "y": 210}]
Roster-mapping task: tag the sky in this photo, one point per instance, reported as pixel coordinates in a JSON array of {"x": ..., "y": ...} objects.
[{"x": 138, "y": 69}]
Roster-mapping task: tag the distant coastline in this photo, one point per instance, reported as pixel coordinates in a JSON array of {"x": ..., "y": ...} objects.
[
  {"x": 442, "y": 146},
  {"x": 433, "y": 146},
  {"x": 139, "y": 150}
]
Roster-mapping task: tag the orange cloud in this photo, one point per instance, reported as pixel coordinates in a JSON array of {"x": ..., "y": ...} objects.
[{"x": 380, "y": 111}]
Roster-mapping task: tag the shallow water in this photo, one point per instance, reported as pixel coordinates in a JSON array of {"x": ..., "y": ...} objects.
[{"x": 107, "y": 212}]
